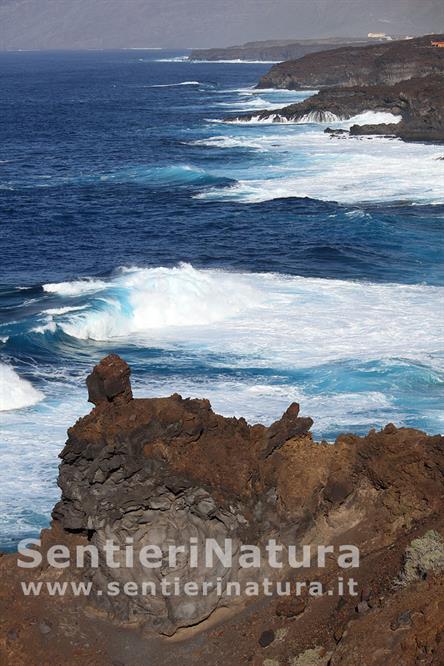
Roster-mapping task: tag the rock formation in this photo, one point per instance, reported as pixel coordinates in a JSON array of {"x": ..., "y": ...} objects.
[
  {"x": 419, "y": 102},
  {"x": 375, "y": 65},
  {"x": 162, "y": 471}
]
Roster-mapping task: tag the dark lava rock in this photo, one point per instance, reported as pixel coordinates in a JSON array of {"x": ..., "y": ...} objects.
[
  {"x": 337, "y": 490},
  {"x": 378, "y": 64},
  {"x": 289, "y": 426},
  {"x": 380, "y": 129},
  {"x": 109, "y": 380},
  {"x": 419, "y": 102},
  {"x": 165, "y": 470},
  {"x": 336, "y": 132},
  {"x": 266, "y": 638}
]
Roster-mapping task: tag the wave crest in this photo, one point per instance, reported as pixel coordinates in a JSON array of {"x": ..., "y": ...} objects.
[
  {"x": 16, "y": 392},
  {"x": 140, "y": 300}
]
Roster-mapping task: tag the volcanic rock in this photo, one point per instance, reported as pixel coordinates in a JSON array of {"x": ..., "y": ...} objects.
[
  {"x": 379, "y": 64},
  {"x": 162, "y": 471},
  {"x": 418, "y": 102},
  {"x": 109, "y": 380}
]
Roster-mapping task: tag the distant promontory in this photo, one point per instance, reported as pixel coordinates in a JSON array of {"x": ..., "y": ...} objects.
[{"x": 276, "y": 50}]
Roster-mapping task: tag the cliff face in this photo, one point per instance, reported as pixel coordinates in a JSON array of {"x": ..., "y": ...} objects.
[
  {"x": 273, "y": 50},
  {"x": 419, "y": 102},
  {"x": 381, "y": 64},
  {"x": 161, "y": 471}
]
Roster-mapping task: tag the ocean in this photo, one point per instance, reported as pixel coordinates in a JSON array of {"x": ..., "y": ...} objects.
[{"x": 253, "y": 264}]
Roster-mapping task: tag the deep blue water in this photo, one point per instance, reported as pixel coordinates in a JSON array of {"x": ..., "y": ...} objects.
[{"x": 252, "y": 264}]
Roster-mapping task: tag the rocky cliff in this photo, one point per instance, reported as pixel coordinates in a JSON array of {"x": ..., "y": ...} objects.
[
  {"x": 418, "y": 102},
  {"x": 273, "y": 50},
  {"x": 162, "y": 471},
  {"x": 380, "y": 64}
]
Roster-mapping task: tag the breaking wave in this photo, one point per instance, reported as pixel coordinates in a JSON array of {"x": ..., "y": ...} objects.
[
  {"x": 374, "y": 118},
  {"x": 16, "y": 392},
  {"x": 287, "y": 321},
  {"x": 142, "y": 300},
  {"x": 74, "y": 288},
  {"x": 356, "y": 169},
  {"x": 315, "y": 117}
]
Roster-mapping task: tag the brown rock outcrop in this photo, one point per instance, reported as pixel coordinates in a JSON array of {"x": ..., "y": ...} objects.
[
  {"x": 378, "y": 64},
  {"x": 165, "y": 470},
  {"x": 157, "y": 472},
  {"x": 109, "y": 380}
]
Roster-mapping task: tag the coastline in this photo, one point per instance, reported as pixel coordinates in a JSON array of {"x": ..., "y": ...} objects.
[
  {"x": 303, "y": 288},
  {"x": 416, "y": 104},
  {"x": 132, "y": 462},
  {"x": 404, "y": 78}
]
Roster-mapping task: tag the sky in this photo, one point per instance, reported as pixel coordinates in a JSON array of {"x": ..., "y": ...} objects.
[{"x": 79, "y": 24}]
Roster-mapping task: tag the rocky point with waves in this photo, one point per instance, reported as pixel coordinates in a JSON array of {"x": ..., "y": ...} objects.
[
  {"x": 405, "y": 79},
  {"x": 374, "y": 65},
  {"x": 161, "y": 470},
  {"x": 418, "y": 103}
]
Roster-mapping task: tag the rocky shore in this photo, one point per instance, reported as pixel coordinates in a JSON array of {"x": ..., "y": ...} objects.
[
  {"x": 374, "y": 65},
  {"x": 162, "y": 471},
  {"x": 419, "y": 102}
]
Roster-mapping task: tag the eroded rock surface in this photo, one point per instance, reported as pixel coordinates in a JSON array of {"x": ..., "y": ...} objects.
[
  {"x": 418, "y": 102},
  {"x": 378, "y": 64},
  {"x": 162, "y": 471}
]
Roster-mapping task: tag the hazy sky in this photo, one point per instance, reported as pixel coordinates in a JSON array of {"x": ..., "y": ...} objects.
[{"x": 26, "y": 24}]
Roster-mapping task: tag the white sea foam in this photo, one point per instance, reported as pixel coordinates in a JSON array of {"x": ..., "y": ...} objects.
[
  {"x": 254, "y": 103},
  {"x": 318, "y": 117},
  {"x": 147, "y": 299},
  {"x": 272, "y": 91},
  {"x": 276, "y": 320},
  {"x": 374, "y": 118},
  {"x": 49, "y": 327},
  {"x": 315, "y": 117},
  {"x": 236, "y": 61},
  {"x": 174, "y": 85},
  {"x": 28, "y": 481},
  {"x": 186, "y": 59},
  {"x": 65, "y": 310},
  {"x": 75, "y": 288},
  {"x": 352, "y": 170},
  {"x": 224, "y": 141},
  {"x": 183, "y": 58},
  {"x": 16, "y": 392},
  {"x": 257, "y": 120}
]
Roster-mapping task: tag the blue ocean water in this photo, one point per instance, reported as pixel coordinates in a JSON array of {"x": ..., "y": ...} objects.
[{"x": 250, "y": 263}]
